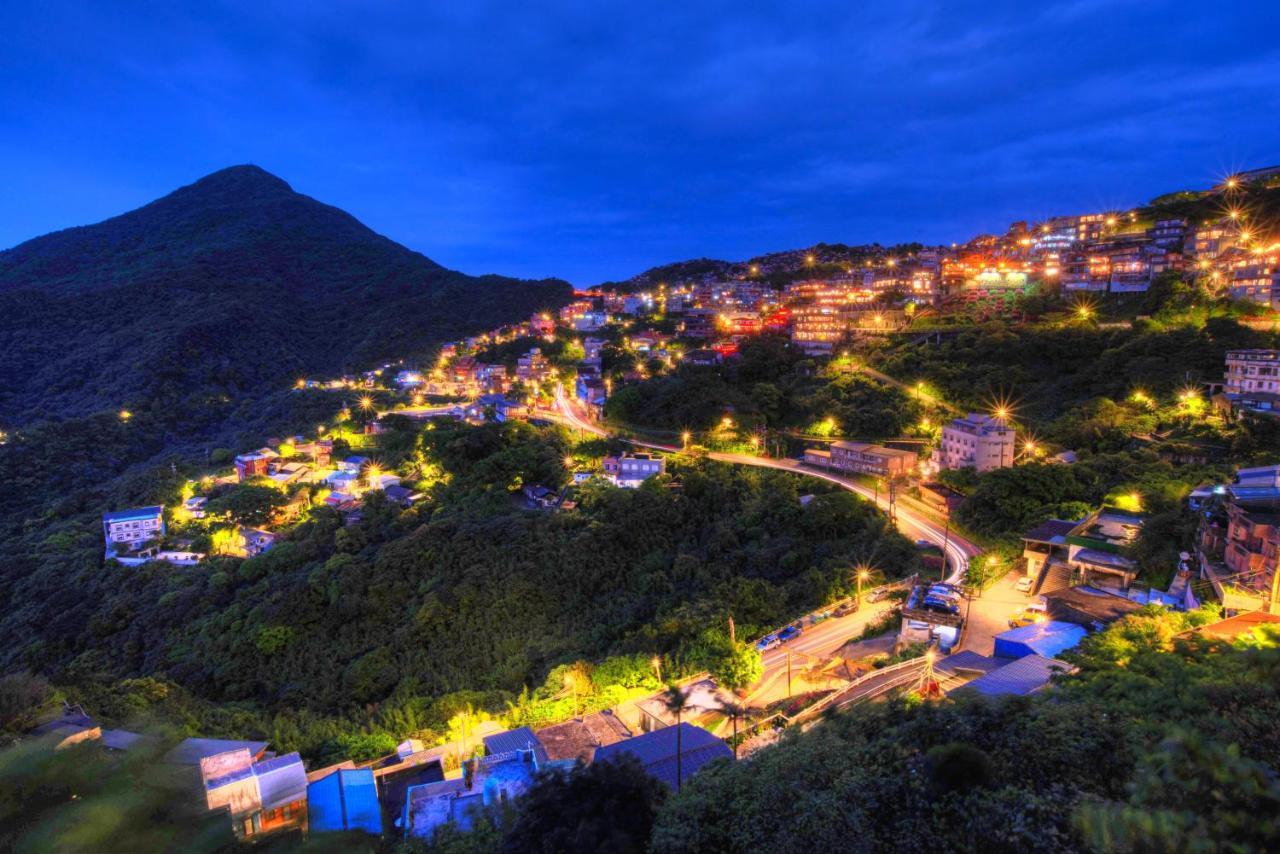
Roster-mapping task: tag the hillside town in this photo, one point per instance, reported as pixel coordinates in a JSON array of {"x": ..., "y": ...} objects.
[{"x": 983, "y": 619}]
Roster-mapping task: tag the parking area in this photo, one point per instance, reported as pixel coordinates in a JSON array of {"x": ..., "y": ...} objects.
[{"x": 988, "y": 614}]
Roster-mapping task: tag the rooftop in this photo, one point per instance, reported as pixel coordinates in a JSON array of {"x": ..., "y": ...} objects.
[
  {"x": 1024, "y": 676},
  {"x": 136, "y": 513},
  {"x": 657, "y": 751},
  {"x": 1052, "y": 531}
]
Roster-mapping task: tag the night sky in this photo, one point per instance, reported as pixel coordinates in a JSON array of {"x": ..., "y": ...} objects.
[{"x": 590, "y": 140}]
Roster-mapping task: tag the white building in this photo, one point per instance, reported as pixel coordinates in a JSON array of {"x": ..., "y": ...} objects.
[
  {"x": 1251, "y": 371},
  {"x": 131, "y": 528},
  {"x": 977, "y": 441},
  {"x": 631, "y": 470}
]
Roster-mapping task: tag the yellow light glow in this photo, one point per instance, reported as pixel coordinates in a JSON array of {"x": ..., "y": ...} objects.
[
  {"x": 366, "y": 402},
  {"x": 125, "y": 415}
]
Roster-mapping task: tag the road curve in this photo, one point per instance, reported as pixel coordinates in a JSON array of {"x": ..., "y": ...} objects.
[{"x": 912, "y": 524}]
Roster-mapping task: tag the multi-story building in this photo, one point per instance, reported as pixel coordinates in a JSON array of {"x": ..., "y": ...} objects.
[
  {"x": 1256, "y": 278},
  {"x": 131, "y": 528},
  {"x": 1251, "y": 371},
  {"x": 864, "y": 458},
  {"x": 631, "y": 470},
  {"x": 1168, "y": 232},
  {"x": 1209, "y": 241},
  {"x": 1239, "y": 541},
  {"x": 977, "y": 441},
  {"x": 1055, "y": 235},
  {"x": 255, "y": 464},
  {"x": 533, "y": 366}
]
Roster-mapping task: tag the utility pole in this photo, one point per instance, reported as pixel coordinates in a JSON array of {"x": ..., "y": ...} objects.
[
  {"x": 946, "y": 540},
  {"x": 788, "y": 674}
]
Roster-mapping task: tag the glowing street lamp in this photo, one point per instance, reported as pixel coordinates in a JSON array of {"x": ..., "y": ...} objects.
[
  {"x": 366, "y": 402},
  {"x": 125, "y": 415},
  {"x": 684, "y": 438},
  {"x": 860, "y": 576}
]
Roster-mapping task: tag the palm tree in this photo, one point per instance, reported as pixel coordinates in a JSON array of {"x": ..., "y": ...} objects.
[
  {"x": 734, "y": 709},
  {"x": 676, "y": 702}
]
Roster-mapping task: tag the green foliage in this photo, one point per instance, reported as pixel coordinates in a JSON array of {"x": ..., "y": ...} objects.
[
  {"x": 1088, "y": 764},
  {"x": 249, "y": 503},
  {"x": 771, "y": 384}
]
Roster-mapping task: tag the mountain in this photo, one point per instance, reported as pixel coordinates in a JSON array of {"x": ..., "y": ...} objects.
[{"x": 221, "y": 289}]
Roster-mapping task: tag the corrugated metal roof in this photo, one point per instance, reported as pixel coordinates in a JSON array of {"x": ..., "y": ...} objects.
[
  {"x": 1048, "y": 639},
  {"x": 347, "y": 799},
  {"x": 1024, "y": 676},
  {"x": 657, "y": 750},
  {"x": 513, "y": 739},
  {"x": 281, "y": 780},
  {"x": 136, "y": 513},
  {"x": 190, "y": 751}
]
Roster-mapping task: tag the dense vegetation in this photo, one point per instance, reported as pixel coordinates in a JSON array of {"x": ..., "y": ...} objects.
[
  {"x": 468, "y": 592},
  {"x": 1161, "y": 743},
  {"x": 223, "y": 289},
  {"x": 771, "y": 384}
]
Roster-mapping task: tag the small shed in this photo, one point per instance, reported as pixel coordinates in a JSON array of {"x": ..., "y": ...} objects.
[
  {"x": 346, "y": 799},
  {"x": 1048, "y": 639}
]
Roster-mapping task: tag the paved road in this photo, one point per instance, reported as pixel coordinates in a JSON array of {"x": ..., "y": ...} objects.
[{"x": 825, "y": 638}]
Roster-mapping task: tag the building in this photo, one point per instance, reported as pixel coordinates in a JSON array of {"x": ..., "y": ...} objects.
[
  {"x": 254, "y": 541},
  {"x": 864, "y": 458},
  {"x": 578, "y": 740},
  {"x": 1256, "y": 279},
  {"x": 940, "y": 498},
  {"x": 492, "y": 779},
  {"x": 657, "y": 752},
  {"x": 533, "y": 366},
  {"x": 1252, "y": 371},
  {"x": 262, "y": 796},
  {"x": 1002, "y": 677},
  {"x": 977, "y": 441},
  {"x": 255, "y": 464},
  {"x": 1058, "y": 554},
  {"x": 126, "y": 530},
  {"x": 1048, "y": 639},
  {"x": 344, "y": 800},
  {"x": 631, "y": 470}
]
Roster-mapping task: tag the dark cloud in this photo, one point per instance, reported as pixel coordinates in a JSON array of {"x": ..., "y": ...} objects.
[{"x": 590, "y": 140}]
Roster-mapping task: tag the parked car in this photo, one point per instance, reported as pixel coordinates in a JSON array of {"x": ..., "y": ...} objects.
[
  {"x": 1024, "y": 584},
  {"x": 946, "y": 591},
  {"x": 1033, "y": 613},
  {"x": 788, "y": 633},
  {"x": 878, "y": 595},
  {"x": 937, "y": 603},
  {"x": 768, "y": 642},
  {"x": 844, "y": 610}
]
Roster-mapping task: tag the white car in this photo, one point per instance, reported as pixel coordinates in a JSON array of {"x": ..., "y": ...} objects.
[{"x": 1024, "y": 584}]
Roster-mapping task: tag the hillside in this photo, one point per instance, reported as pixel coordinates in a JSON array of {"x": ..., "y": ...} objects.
[{"x": 228, "y": 287}]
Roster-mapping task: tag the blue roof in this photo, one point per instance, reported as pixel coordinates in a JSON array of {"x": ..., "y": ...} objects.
[
  {"x": 136, "y": 513},
  {"x": 1024, "y": 676},
  {"x": 1048, "y": 639},
  {"x": 347, "y": 799},
  {"x": 513, "y": 739},
  {"x": 657, "y": 751}
]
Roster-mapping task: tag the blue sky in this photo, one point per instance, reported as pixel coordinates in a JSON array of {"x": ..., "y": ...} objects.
[{"x": 590, "y": 140}]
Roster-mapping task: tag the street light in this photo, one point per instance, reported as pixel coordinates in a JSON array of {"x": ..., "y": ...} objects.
[
  {"x": 862, "y": 575},
  {"x": 684, "y": 438}
]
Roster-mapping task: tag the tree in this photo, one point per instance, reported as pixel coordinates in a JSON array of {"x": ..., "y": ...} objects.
[
  {"x": 605, "y": 806},
  {"x": 676, "y": 701},
  {"x": 734, "y": 710},
  {"x": 250, "y": 503},
  {"x": 735, "y": 665}
]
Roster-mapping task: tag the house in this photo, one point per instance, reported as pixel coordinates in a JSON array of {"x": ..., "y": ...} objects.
[
  {"x": 1251, "y": 382},
  {"x": 657, "y": 752},
  {"x": 255, "y": 464},
  {"x": 940, "y": 498},
  {"x": 1087, "y": 606},
  {"x": 254, "y": 541},
  {"x": 400, "y": 495},
  {"x": 344, "y": 481},
  {"x": 539, "y": 497},
  {"x": 509, "y": 741},
  {"x": 190, "y": 751},
  {"x": 196, "y": 506},
  {"x": 262, "y": 796},
  {"x": 345, "y": 799},
  {"x": 343, "y": 502},
  {"x": 1087, "y": 552},
  {"x": 977, "y": 441},
  {"x": 354, "y": 465},
  {"x": 533, "y": 366},
  {"x": 492, "y": 779},
  {"x": 865, "y": 458},
  {"x": 126, "y": 530},
  {"x": 631, "y": 470},
  {"x": 579, "y": 739}
]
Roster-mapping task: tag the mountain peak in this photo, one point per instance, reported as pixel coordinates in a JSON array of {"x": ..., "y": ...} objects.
[{"x": 244, "y": 181}]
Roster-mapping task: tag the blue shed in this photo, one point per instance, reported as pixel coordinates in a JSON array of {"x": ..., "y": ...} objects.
[
  {"x": 347, "y": 799},
  {"x": 1047, "y": 639}
]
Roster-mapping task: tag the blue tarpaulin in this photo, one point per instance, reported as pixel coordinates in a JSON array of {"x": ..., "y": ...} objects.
[{"x": 347, "y": 799}]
